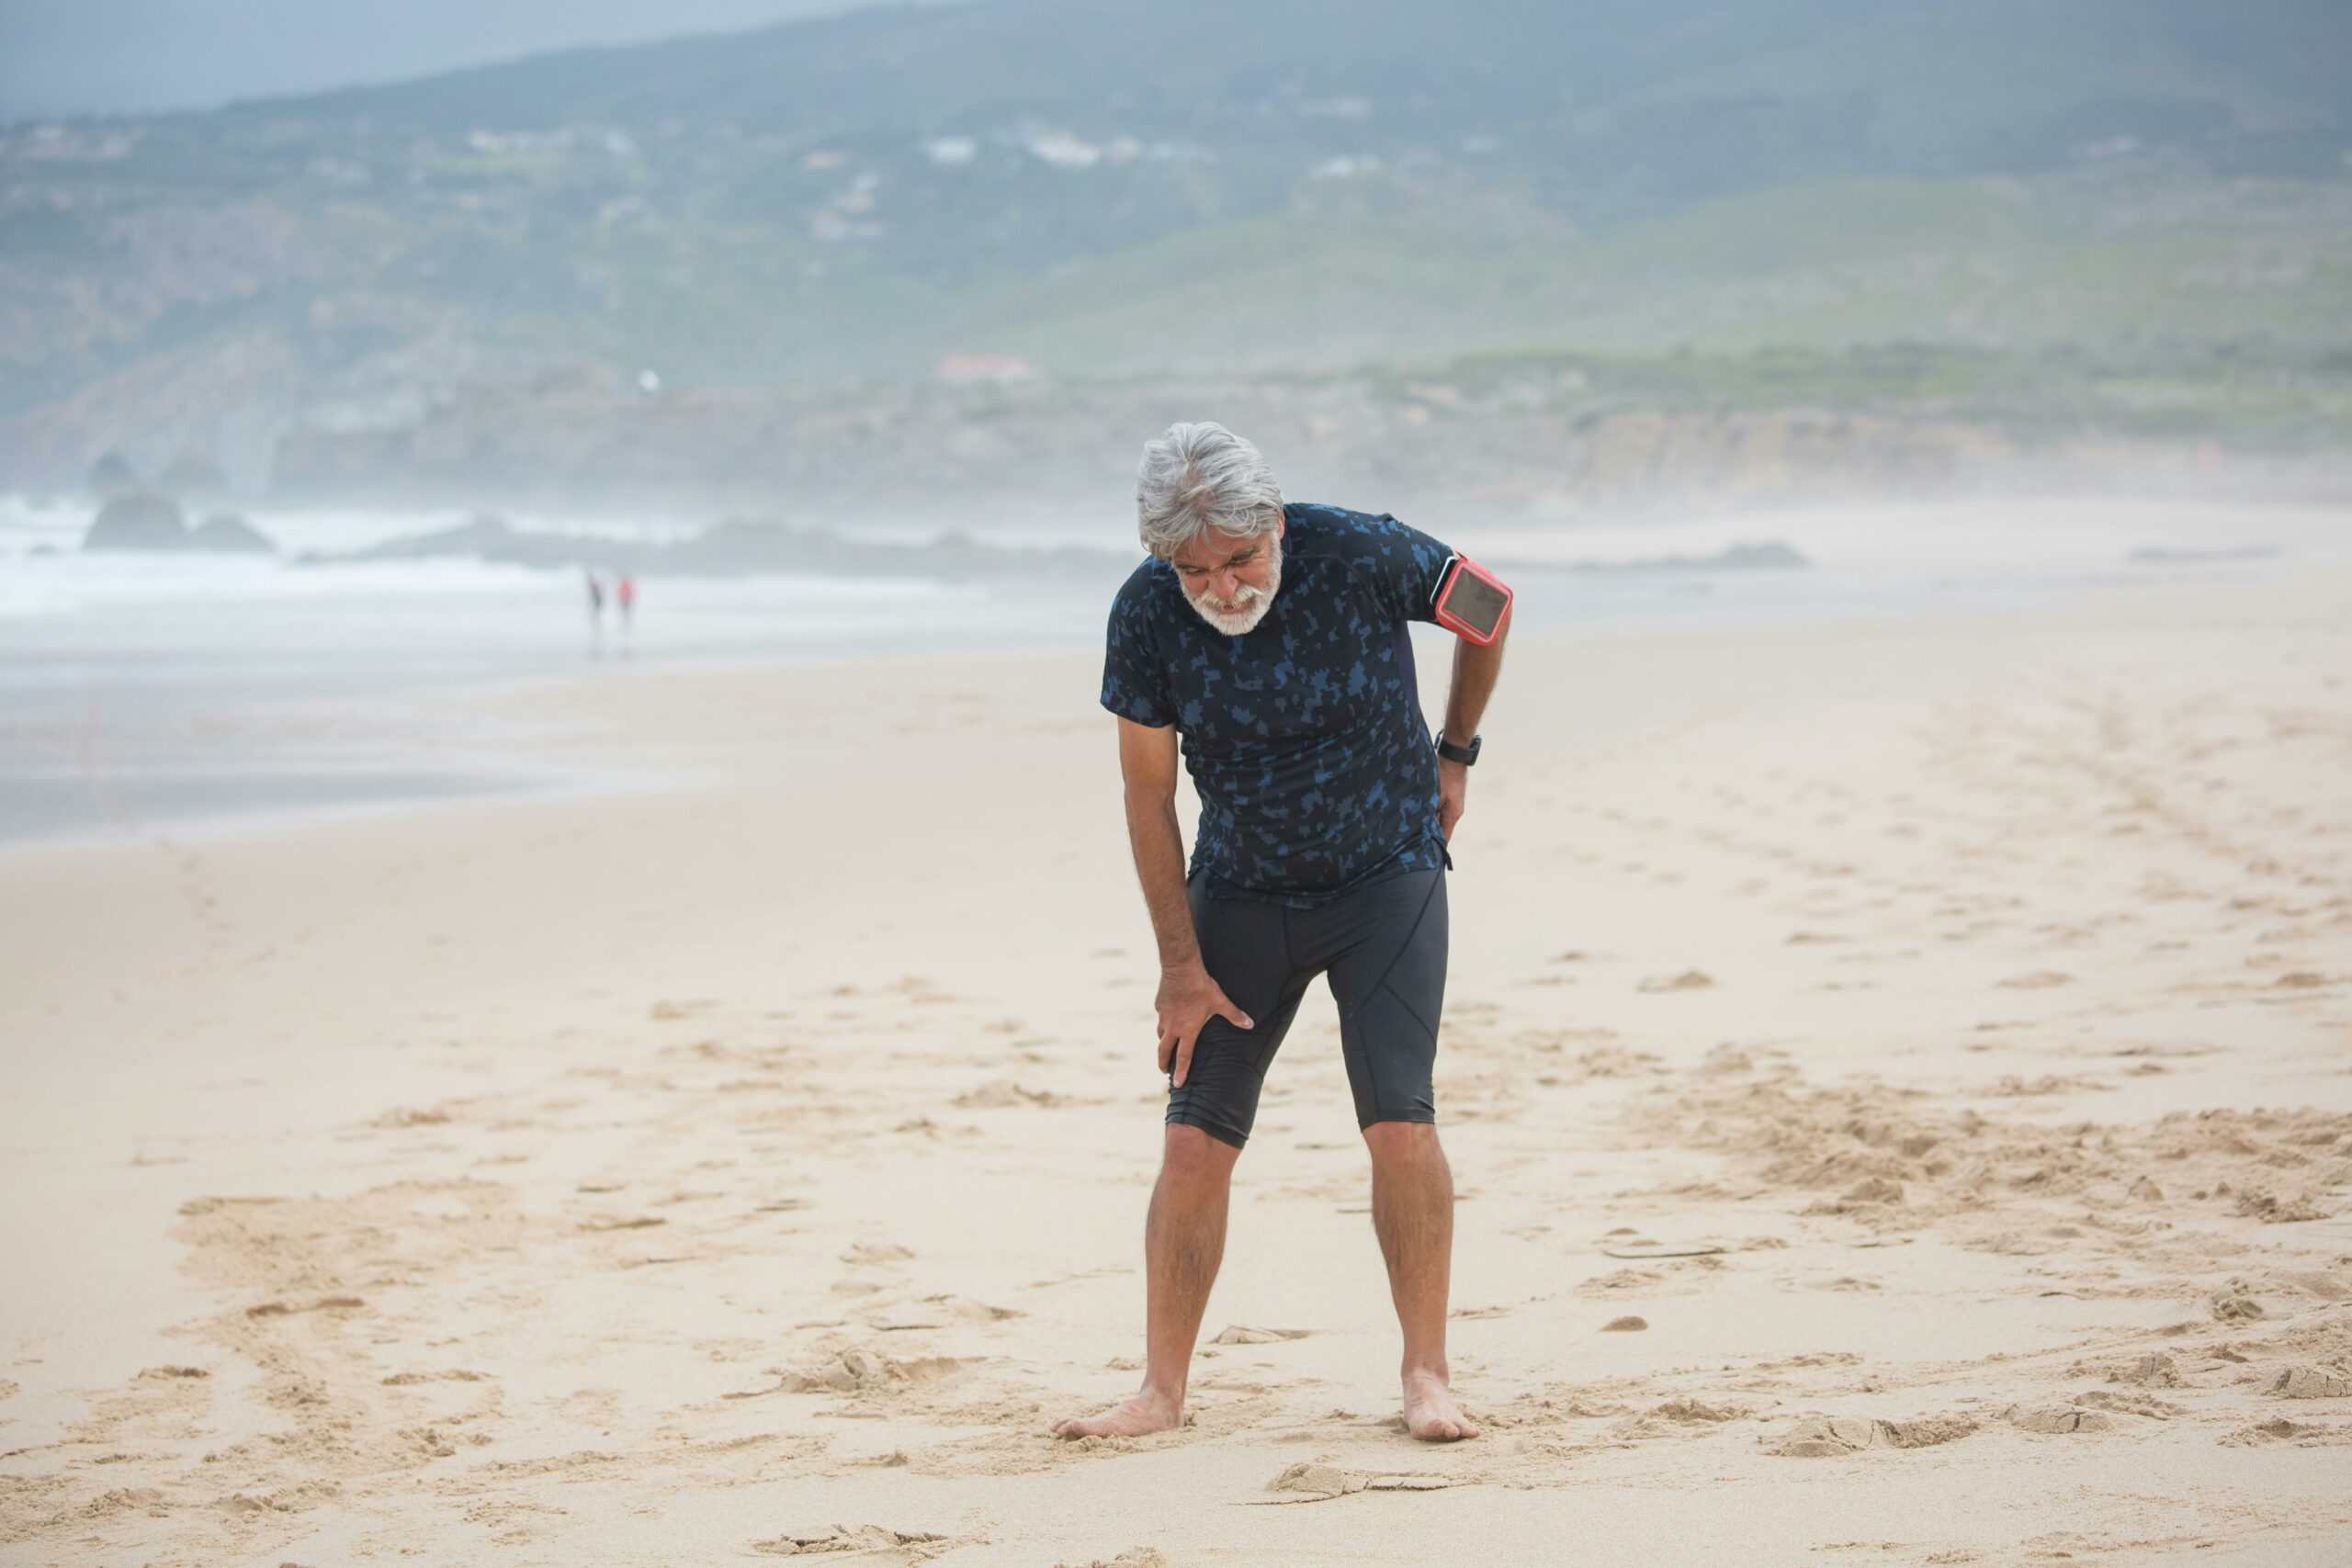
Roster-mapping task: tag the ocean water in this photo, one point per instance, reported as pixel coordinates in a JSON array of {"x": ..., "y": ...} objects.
[
  {"x": 140, "y": 692},
  {"x": 145, "y": 691}
]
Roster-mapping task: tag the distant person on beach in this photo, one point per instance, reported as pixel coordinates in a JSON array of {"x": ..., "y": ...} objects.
[
  {"x": 1272, "y": 638},
  {"x": 625, "y": 598},
  {"x": 595, "y": 598}
]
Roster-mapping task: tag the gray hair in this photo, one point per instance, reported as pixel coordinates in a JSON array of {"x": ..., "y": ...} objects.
[{"x": 1194, "y": 477}]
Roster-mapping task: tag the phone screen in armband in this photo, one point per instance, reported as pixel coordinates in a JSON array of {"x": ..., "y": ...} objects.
[{"x": 1471, "y": 601}]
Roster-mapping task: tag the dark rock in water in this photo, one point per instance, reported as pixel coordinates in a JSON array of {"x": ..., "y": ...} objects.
[
  {"x": 150, "y": 522},
  {"x": 112, "y": 474},
  {"x": 137, "y": 522},
  {"x": 44, "y": 550},
  {"x": 225, "y": 533}
]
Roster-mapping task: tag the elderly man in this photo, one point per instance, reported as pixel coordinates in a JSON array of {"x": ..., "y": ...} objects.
[{"x": 1272, "y": 638}]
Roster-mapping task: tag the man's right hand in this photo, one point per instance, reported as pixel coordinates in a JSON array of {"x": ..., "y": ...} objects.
[{"x": 1188, "y": 1000}]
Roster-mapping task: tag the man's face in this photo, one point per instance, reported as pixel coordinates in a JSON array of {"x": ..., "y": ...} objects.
[{"x": 1231, "y": 579}]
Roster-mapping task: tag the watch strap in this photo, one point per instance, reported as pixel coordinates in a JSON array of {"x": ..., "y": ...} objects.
[{"x": 1465, "y": 755}]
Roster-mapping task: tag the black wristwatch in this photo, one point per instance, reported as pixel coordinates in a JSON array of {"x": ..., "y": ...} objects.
[{"x": 1465, "y": 755}]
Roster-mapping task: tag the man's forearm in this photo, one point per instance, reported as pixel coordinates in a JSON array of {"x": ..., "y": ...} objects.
[
  {"x": 1159, "y": 848},
  {"x": 1475, "y": 670}
]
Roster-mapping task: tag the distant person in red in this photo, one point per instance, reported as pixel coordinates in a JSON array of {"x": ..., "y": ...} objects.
[{"x": 625, "y": 595}]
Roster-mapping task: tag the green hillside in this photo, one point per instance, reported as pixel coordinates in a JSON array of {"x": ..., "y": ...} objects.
[
  {"x": 1981, "y": 263},
  {"x": 1304, "y": 187}
]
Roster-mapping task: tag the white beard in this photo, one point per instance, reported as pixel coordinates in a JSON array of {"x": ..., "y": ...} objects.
[{"x": 1251, "y": 604}]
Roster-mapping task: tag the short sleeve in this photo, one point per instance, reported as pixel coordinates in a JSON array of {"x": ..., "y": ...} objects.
[
  {"x": 1407, "y": 565},
  {"x": 1135, "y": 678}
]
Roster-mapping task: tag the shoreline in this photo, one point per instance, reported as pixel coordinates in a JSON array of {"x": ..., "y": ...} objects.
[{"x": 471, "y": 712}]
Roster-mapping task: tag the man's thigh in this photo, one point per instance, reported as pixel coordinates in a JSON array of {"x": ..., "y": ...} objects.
[
  {"x": 1389, "y": 946},
  {"x": 1245, "y": 946}
]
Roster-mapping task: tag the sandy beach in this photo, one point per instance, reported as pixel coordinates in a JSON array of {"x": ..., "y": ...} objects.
[{"x": 1898, "y": 1078}]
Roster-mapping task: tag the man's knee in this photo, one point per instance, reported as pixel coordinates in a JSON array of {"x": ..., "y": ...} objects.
[
  {"x": 1403, "y": 1142},
  {"x": 1191, "y": 1155}
]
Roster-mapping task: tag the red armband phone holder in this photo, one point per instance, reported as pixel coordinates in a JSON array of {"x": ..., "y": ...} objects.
[{"x": 1471, "y": 601}]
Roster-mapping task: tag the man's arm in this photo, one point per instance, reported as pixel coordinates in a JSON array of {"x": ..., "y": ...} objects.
[
  {"x": 1147, "y": 767},
  {"x": 1475, "y": 670},
  {"x": 1187, "y": 997}
]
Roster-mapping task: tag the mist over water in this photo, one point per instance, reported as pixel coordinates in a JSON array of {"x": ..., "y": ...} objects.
[
  {"x": 139, "y": 690},
  {"x": 143, "y": 689}
]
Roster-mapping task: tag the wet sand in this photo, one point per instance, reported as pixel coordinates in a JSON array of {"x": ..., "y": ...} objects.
[{"x": 1897, "y": 1078}]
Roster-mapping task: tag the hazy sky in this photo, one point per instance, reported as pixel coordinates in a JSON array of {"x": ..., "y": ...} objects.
[{"x": 63, "y": 57}]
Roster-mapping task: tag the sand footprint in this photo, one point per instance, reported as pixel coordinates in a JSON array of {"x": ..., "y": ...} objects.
[
  {"x": 1003, "y": 1093},
  {"x": 1312, "y": 1481},
  {"x": 1680, "y": 1417},
  {"x": 1239, "y": 1334},
  {"x": 1831, "y": 1436},
  {"x": 912, "y": 1545},
  {"x": 2057, "y": 1420},
  {"x": 871, "y": 1253},
  {"x": 856, "y": 1371}
]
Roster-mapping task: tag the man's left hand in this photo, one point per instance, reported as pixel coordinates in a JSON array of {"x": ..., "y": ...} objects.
[{"x": 1452, "y": 795}]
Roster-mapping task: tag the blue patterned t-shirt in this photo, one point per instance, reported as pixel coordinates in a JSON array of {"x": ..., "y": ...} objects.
[{"x": 1303, "y": 736}]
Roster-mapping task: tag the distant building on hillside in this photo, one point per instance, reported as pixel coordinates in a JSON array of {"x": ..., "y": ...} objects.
[{"x": 1001, "y": 367}]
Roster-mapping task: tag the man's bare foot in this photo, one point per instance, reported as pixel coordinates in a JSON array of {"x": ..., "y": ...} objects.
[
  {"x": 1147, "y": 1412},
  {"x": 1431, "y": 1413}
]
